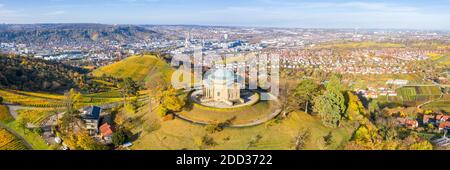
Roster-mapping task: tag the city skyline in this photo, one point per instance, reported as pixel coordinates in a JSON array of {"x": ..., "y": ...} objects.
[{"x": 418, "y": 14}]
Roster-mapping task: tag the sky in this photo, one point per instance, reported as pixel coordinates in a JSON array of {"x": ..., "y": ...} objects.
[{"x": 397, "y": 14}]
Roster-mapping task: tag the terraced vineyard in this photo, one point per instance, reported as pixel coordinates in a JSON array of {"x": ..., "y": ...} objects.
[
  {"x": 30, "y": 99},
  {"x": 414, "y": 95},
  {"x": 138, "y": 68},
  {"x": 443, "y": 105},
  {"x": 45, "y": 100},
  {"x": 10, "y": 142},
  {"x": 34, "y": 116}
]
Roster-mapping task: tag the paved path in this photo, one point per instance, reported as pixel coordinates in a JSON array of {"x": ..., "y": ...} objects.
[{"x": 25, "y": 142}]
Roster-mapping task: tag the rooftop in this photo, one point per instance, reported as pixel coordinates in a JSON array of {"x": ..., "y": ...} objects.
[
  {"x": 227, "y": 76},
  {"x": 91, "y": 112}
]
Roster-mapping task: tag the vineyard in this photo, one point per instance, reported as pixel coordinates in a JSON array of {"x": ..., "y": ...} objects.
[
  {"x": 439, "y": 106},
  {"x": 10, "y": 142},
  {"x": 45, "y": 100},
  {"x": 35, "y": 117},
  {"x": 4, "y": 114},
  {"x": 28, "y": 99}
]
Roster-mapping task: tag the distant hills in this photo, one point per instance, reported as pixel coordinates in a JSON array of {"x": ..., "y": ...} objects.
[{"x": 73, "y": 33}]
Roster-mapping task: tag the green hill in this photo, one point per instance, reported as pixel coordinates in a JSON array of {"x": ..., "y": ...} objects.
[{"x": 139, "y": 68}]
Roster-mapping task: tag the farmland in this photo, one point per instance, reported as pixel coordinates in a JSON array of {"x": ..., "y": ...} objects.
[
  {"x": 414, "y": 95},
  {"x": 46, "y": 100},
  {"x": 442, "y": 105}
]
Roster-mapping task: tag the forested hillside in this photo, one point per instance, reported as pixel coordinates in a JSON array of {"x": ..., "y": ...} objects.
[
  {"x": 73, "y": 33},
  {"x": 31, "y": 74}
]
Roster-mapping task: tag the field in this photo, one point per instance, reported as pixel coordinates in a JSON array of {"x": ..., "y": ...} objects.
[
  {"x": 9, "y": 142},
  {"x": 139, "y": 68},
  {"x": 35, "y": 140},
  {"x": 35, "y": 116},
  {"x": 30, "y": 99},
  {"x": 244, "y": 115},
  {"x": 46, "y": 100},
  {"x": 418, "y": 94},
  {"x": 376, "y": 81},
  {"x": 156, "y": 134},
  {"x": 439, "y": 106}
]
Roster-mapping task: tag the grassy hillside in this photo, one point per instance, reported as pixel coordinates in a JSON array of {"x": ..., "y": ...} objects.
[
  {"x": 139, "y": 68},
  {"x": 176, "y": 134}
]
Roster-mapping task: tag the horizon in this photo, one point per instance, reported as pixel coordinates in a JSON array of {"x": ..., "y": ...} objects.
[
  {"x": 231, "y": 26},
  {"x": 322, "y": 14}
]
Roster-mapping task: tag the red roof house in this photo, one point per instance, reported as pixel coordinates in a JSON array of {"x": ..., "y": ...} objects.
[{"x": 106, "y": 130}]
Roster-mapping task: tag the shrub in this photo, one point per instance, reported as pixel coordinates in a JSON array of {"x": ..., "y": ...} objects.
[{"x": 119, "y": 137}]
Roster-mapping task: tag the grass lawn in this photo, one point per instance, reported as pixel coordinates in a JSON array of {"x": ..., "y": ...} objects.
[
  {"x": 243, "y": 115},
  {"x": 179, "y": 134}
]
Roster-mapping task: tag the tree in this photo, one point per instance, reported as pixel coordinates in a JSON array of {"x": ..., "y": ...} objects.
[
  {"x": 374, "y": 109},
  {"x": 85, "y": 142},
  {"x": 82, "y": 141},
  {"x": 119, "y": 137},
  {"x": 331, "y": 105},
  {"x": 335, "y": 89},
  {"x": 128, "y": 87},
  {"x": 306, "y": 90},
  {"x": 22, "y": 123},
  {"x": 355, "y": 106},
  {"x": 328, "y": 139},
  {"x": 328, "y": 110},
  {"x": 71, "y": 98},
  {"x": 1, "y": 100},
  {"x": 171, "y": 101},
  {"x": 424, "y": 145}
]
